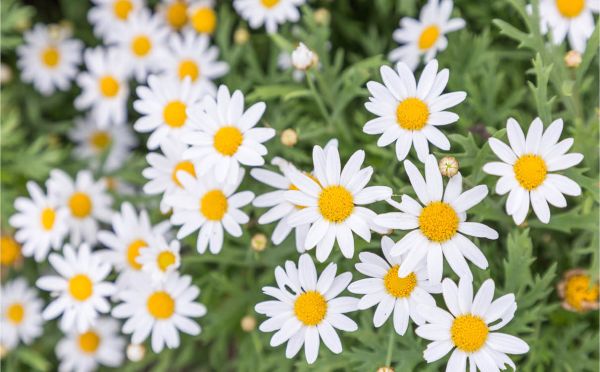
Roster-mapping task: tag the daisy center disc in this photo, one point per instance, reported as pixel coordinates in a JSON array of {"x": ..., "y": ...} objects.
[
  {"x": 141, "y": 45},
  {"x": 213, "y": 205},
  {"x": 204, "y": 20},
  {"x": 50, "y": 57},
  {"x": 89, "y": 342},
  {"x": 80, "y": 204},
  {"x": 122, "y": 8},
  {"x": 133, "y": 252},
  {"x": 9, "y": 250},
  {"x": 15, "y": 313},
  {"x": 570, "y": 8},
  {"x": 164, "y": 260},
  {"x": 47, "y": 218},
  {"x": 177, "y": 14},
  {"x": 174, "y": 114},
  {"x": 438, "y": 221},
  {"x": 186, "y": 166},
  {"x": 579, "y": 290},
  {"x": 100, "y": 140},
  {"x": 310, "y": 308},
  {"x": 189, "y": 68},
  {"x": 412, "y": 114},
  {"x": 469, "y": 333},
  {"x": 109, "y": 86},
  {"x": 80, "y": 287},
  {"x": 161, "y": 305},
  {"x": 336, "y": 203},
  {"x": 399, "y": 287},
  {"x": 269, "y": 3},
  {"x": 530, "y": 171},
  {"x": 227, "y": 140},
  {"x": 428, "y": 37}
]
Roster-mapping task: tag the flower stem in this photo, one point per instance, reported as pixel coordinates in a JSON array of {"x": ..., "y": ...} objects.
[{"x": 388, "y": 358}]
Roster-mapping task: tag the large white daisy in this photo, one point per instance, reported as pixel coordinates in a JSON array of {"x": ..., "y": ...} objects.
[
  {"x": 20, "y": 314},
  {"x": 270, "y": 13}
]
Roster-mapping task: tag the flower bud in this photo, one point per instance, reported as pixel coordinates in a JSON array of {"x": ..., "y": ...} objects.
[
  {"x": 303, "y": 58},
  {"x": 385, "y": 369},
  {"x": 573, "y": 59},
  {"x": 289, "y": 137},
  {"x": 448, "y": 166},
  {"x": 248, "y": 323},
  {"x": 135, "y": 352},
  {"x": 6, "y": 74},
  {"x": 259, "y": 242},
  {"x": 322, "y": 16},
  {"x": 241, "y": 36}
]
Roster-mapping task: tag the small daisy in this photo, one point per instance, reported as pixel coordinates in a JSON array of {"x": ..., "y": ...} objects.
[
  {"x": 99, "y": 345},
  {"x": 409, "y": 113},
  {"x": 41, "y": 223},
  {"x": 437, "y": 226},
  {"x": 525, "y": 169},
  {"x": 470, "y": 328},
  {"x": 270, "y": 13},
  {"x": 10, "y": 251},
  {"x": 106, "y": 14},
  {"x": 104, "y": 86},
  {"x": 80, "y": 288},
  {"x": 85, "y": 200},
  {"x": 160, "y": 258},
  {"x": 222, "y": 134},
  {"x": 49, "y": 58},
  {"x": 174, "y": 13},
  {"x": 20, "y": 314},
  {"x": 306, "y": 308},
  {"x": 425, "y": 36},
  {"x": 163, "y": 106},
  {"x": 391, "y": 293},
  {"x": 578, "y": 291},
  {"x": 334, "y": 202},
  {"x": 218, "y": 209},
  {"x": 202, "y": 16},
  {"x": 93, "y": 142},
  {"x": 162, "y": 309}
]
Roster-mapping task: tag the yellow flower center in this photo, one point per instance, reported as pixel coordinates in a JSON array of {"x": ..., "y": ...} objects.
[
  {"x": 15, "y": 313},
  {"x": 269, "y": 3},
  {"x": 164, "y": 260},
  {"x": 399, "y": 287},
  {"x": 469, "y": 333},
  {"x": 89, "y": 342},
  {"x": 579, "y": 290},
  {"x": 122, "y": 8},
  {"x": 530, "y": 171},
  {"x": 412, "y": 114},
  {"x": 186, "y": 166},
  {"x": 109, "y": 86},
  {"x": 213, "y": 205},
  {"x": 133, "y": 252},
  {"x": 80, "y": 204},
  {"x": 100, "y": 139},
  {"x": 141, "y": 45},
  {"x": 204, "y": 20},
  {"x": 438, "y": 221},
  {"x": 227, "y": 140},
  {"x": 177, "y": 14},
  {"x": 570, "y": 8},
  {"x": 174, "y": 114},
  {"x": 161, "y": 305},
  {"x": 9, "y": 250},
  {"x": 80, "y": 287},
  {"x": 48, "y": 216},
  {"x": 188, "y": 67},
  {"x": 428, "y": 37},
  {"x": 336, "y": 203},
  {"x": 310, "y": 308},
  {"x": 50, "y": 57}
]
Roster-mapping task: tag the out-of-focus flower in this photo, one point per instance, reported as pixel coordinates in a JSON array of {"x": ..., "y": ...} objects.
[
  {"x": 10, "y": 250},
  {"x": 577, "y": 291},
  {"x": 270, "y": 13},
  {"x": 573, "y": 59}
]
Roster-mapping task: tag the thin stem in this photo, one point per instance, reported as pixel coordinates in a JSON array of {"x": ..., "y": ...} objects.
[
  {"x": 317, "y": 97},
  {"x": 388, "y": 358}
]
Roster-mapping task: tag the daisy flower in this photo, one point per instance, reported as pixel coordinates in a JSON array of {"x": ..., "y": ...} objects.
[
  {"x": 163, "y": 106},
  {"x": 270, "y": 13},
  {"x": 80, "y": 287},
  {"x": 202, "y": 16},
  {"x": 409, "y": 113},
  {"x": 20, "y": 314},
  {"x": 470, "y": 328},
  {"x": 106, "y": 14},
  {"x": 437, "y": 224},
  {"x": 219, "y": 209},
  {"x": 160, "y": 258},
  {"x": 85, "y": 200},
  {"x": 104, "y": 86},
  {"x": 334, "y": 201},
  {"x": 92, "y": 142},
  {"x": 162, "y": 309},
  {"x": 525, "y": 168},
  {"x": 390, "y": 292},
  {"x": 49, "y": 58},
  {"x": 306, "y": 308},
  {"x": 10, "y": 251},
  {"x": 174, "y": 13},
  {"x": 40, "y": 221},
  {"x": 98, "y": 345},
  {"x": 223, "y": 136},
  {"x": 425, "y": 36}
]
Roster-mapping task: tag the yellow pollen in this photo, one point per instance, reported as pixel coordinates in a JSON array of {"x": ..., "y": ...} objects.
[
  {"x": 10, "y": 250},
  {"x": 428, "y": 37},
  {"x": 89, "y": 342},
  {"x": 310, "y": 308},
  {"x": 269, "y": 3},
  {"x": 204, "y": 20},
  {"x": 186, "y": 166},
  {"x": 530, "y": 171},
  {"x": 579, "y": 290},
  {"x": 412, "y": 114},
  {"x": 188, "y": 67},
  {"x": 399, "y": 287},
  {"x": 177, "y": 14},
  {"x": 80, "y": 287},
  {"x": 15, "y": 313},
  {"x": 336, "y": 203},
  {"x": 164, "y": 260},
  {"x": 141, "y": 45},
  {"x": 47, "y": 218},
  {"x": 109, "y": 86},
  {"x": 213, "y": 205},
  {"x": 174, "y": 114},
  {"x": 438, "y": 221},
  {"x": 80, "y": 204},
  {"x": 570, "y": 8},
  {"x": 227, "y": 140},
  {"x": 133, "y": 252},
  {"x": 161, "y": 305},
  {"x": 122, "y": 8},
  {"x": 51, "y": 57},
  {"x": 100, "y": 139},
  {"x": 469, "y": 333}
]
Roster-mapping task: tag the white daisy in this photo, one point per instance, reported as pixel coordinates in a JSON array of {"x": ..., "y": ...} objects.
[
  {"x": 469, "y": 328},
  {"x": 104, "y": 86},
  {"x": 80, "y": 287},
  {"x": 437, "y": 226},
  {"x": 306, "y": 308},
  {"x": 390, "y": 292},
  {"x": 270, "y": 13},
  {"x": 202, "y": 16},
  {"x": 20, "y": 314},
  {"x": 334, "y": 201},
  {"x": 209, "y": 206},
  {"x": 525, "y": 169},
  {"x": 163, "y": 106},
  {"x": 49, "y": 58},
  {"x": 409, "y": 113},
  {"x": 160, "y": 308},
  {"x": 425, "y": 36},
  {"x": 41, "y": 223},
  {"x": 85, "y": 351},
  {"x": 222, "y": 134},
  {"x": 85, "y": 200},
  {"x": 106, "y": 14},
  {"x": 174, "y": 13},
  {"x": 160, "y": 258}
]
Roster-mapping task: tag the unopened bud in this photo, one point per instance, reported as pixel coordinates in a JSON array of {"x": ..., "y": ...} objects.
[
  {"x": 241, "y": 36},
  {"x": 448, "y": 166},
  {"x": 304, "y": 58},
  {"x": 385, "y": 369},
  {"x": 135, "y": 352},
  {"x": 5, "y": 73},
  {"x": 289, "y": 137},
  {"x": 322, "y": 16},
  {"x": 248, "y": 323},
  {"x": 573, "y": 59},
  {"x": 259, "y": 242}
]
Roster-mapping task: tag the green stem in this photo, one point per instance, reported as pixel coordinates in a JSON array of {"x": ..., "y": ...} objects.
[
  {"x": 317, "y": 97},
  {"x": 388, "y": 358}
]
